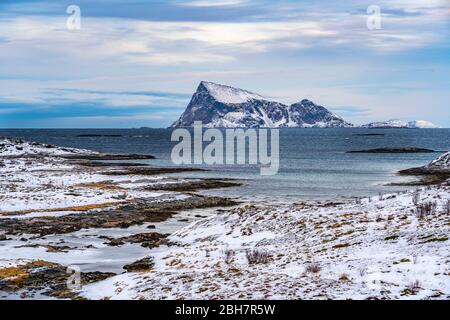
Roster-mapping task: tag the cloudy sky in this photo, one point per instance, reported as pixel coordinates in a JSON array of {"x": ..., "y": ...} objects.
[{"x": 136, "y": 63}]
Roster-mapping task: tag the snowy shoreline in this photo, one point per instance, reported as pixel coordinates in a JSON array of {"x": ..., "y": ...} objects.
[
  {"x": 376, "y": 249},
  {"x": 56, "y": 211},
  {"x": 58, "y": 208}
]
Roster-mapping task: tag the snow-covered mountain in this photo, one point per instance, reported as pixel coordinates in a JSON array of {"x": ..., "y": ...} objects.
[
  {"x": 387, "y": 124},
  {"x": 220, "y": 106},
  {"x": 309, "y": 114},
  {"x": 422, "y": 124},
  {"x": 415, "y": 124}
]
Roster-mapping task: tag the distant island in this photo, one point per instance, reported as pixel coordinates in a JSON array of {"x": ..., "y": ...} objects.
[
  {"x": 400, "y": 124},
  {"x": 394, "y": 150},
  {"x": 220, "y": 106}
]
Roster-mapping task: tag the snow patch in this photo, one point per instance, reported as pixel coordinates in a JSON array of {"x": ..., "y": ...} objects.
[{"x": 226, "y": 94}]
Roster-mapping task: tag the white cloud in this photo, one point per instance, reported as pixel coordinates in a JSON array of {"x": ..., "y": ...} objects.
[
  {"x": 181, "y": 42},
  {"x": 268, "y": 54}
]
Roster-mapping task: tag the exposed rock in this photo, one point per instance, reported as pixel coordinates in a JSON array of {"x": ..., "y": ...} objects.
[
  {"x": 50, "y": 248},
  {"x": 138, "y": 212},
  {"x": 108, "y": 156},
  {"x": 149, "y": 171},
  {"x": 98, "y": 164},
  {"x": 98, "y": 135},
  {"x": 394, "y": 150},
  {"x": 142, "y": 265},
  {"x": 188, "y": 186},
  {"x": 147, "y": 240},
  {"x": 47, "y": 278}
]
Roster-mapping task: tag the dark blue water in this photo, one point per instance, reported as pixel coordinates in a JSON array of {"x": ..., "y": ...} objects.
[{"x": 313, "y": 162}]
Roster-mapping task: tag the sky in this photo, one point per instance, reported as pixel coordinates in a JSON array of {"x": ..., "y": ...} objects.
[{"x": 137, "y": 63}]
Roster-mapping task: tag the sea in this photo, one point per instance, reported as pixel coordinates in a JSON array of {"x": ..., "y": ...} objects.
[{"x": 314, "y": 163}]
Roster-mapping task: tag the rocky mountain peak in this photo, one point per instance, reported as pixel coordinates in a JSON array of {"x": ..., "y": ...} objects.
[{"x": 221, "y": 106}]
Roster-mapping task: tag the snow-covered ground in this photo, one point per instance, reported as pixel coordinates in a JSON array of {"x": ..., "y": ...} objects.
[
  {"x": 52, "y": 184},
  {"x": 11, "y": 147},
  {"x": 378, "y": 248},
  {"x": 227, "y": 94},
  {"x": 35, "y": 182},
  {"x": 34, "y": 178},
  {"x": 390, "y": 247}
]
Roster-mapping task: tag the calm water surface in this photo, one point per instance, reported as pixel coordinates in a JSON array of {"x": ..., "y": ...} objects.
[{"x": 313, "y": 162}]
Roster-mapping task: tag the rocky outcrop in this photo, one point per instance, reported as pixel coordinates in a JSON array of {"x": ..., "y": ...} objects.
[
  {"x": 435, "y": 172},
  {"x": 394, "y": 150}
]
